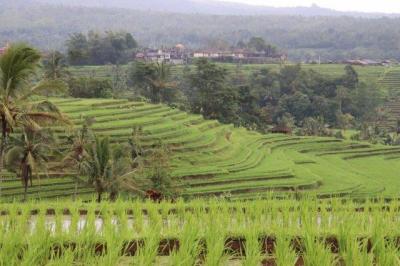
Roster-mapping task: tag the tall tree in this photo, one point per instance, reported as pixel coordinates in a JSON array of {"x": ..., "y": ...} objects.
[
  {"x": 104, "y": 169},
  {"x": 78, "y": 151},
  {"x": 55, "y": 66},
  {"x": 30, "y": 153},
  {"x": 211, "y": 96},
  {"x": 154, "y": 78},
  {"x": 160, "y": 81},
  {"x": 136, "y": 148},
  {"x": 159, "y": 171},
  {"x": 78, "y": 49},
  {"x": 350, "y": 78}
]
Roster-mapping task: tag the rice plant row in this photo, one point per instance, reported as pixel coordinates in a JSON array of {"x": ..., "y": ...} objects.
[{"x": 213, "y": 232}]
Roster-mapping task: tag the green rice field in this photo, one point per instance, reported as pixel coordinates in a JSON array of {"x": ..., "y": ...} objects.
[
  {"x": 271, "y": 231},
  {"x": 374, "y": 74},
  {"x": 212, "y": 159}
]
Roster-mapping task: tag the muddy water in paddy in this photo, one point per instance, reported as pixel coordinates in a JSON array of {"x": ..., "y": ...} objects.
[{"x": 51, "y": 222}]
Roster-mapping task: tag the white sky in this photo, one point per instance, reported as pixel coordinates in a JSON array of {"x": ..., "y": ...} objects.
[{"x": 387, "y": 6}]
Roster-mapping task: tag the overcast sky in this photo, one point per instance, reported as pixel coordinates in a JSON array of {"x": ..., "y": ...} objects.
[{"x": 387, "y": 6}]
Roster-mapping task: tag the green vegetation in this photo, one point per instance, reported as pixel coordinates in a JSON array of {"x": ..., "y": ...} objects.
[
  {"x": 213, "y": 232},
  {"x": 203, "y": 157},
  {"x": 372, "y": 74},
  {"x": 100, "y": 49},
  {"x": 214, "y": 159}
]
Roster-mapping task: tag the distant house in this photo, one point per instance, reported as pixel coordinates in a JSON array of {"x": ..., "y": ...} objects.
[
  {"x": 175, "y": 55},
  {"x": 238, "y": 56},
  {"x": 365, "y": 62},
  {"x": 3, "y": 50}
]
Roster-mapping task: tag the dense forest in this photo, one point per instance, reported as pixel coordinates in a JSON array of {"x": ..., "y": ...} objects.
[{"x": 332, "y": 38}]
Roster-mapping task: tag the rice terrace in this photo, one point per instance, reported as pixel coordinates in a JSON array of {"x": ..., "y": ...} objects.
[
  {"x": 199, "y": 133},
  {"x": 215, "y": 159}
]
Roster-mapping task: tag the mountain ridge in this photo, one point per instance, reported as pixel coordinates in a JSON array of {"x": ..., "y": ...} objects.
[{"x": 211, "y": 7}]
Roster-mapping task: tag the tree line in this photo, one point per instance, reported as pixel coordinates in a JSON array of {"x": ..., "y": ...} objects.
[{"x": 267, "y": 97}]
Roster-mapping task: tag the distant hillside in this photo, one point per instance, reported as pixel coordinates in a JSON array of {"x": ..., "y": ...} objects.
[
  {"x": 331, "y": 38},
  {"x": 207, "y": 7}
]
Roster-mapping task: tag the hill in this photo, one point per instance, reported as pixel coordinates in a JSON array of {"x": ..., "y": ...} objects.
[
  {"x": 211, "y": 7},
  {"x": 214, "y": 159},
  {"x": 331, "y": 38}
]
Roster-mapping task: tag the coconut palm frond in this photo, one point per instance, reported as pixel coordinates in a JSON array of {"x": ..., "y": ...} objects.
[
  {"x": 45, "y": 117},
  {"x": 30, "y": 124},
  {"x": 46, "y": 106},
  {"x": 14, "y": 157},
  {"x": 44, "y": 86},
  {"x": 17, "y": 64},
  {"x": 7, "y": 113},
  {"x": 30, "y": 160}
]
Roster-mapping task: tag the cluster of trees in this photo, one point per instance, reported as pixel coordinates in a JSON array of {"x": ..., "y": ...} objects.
[
  {"x": 27, "y": 150},
  {"x": 375, "y": 134},
  {"x": 258, "y": 44},
  {"x": 99, "y": 49},
  {"x": 113, "y": 169},
  {"x": 289, "y": 97}
]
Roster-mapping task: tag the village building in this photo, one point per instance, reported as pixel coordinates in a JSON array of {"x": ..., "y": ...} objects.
[
  {"x": 367, "y": 62},
  {"x": 176, "y": 55},
  {"x": 3, "y": 49},
  {"x": 239, "y": 56}
]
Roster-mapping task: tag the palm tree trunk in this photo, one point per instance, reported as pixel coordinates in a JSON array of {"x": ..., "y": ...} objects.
[
  {"x": 30, "y": 176},
  {"x": 25, "y": 179},
  {"x": 99, "y": 197},
  {"x": 3, "y": 142},
  {"x": 113, "y": 196},
  {"x": 25, "y": 192},
  {"x": 76, "y": 190},
  {"x": 76, "y": 181}
]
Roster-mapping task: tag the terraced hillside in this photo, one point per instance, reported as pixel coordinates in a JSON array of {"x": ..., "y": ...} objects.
[
  {"x": 214, "y": 159},
  {"x": 391, "y": 81},
  {"x": 392, "y": 115},
  {"x": 391, "y": 78},
  {"x": 51, "y": 186}
]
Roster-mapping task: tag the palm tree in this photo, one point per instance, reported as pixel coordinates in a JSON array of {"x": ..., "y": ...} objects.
[
  {"x": 17, "y": 67},
  {"x": 29, "y": 153},
  {"x": 78, "y": 151},
  {"x": 159, "y": 81},
  {"x": 136, "y": 149},
  {"x": 55, "y": 66},
  {"x": 105, "y": 170}
]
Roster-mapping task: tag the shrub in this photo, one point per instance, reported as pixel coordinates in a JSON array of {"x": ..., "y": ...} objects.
[{"x": 90, "y": 88}]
